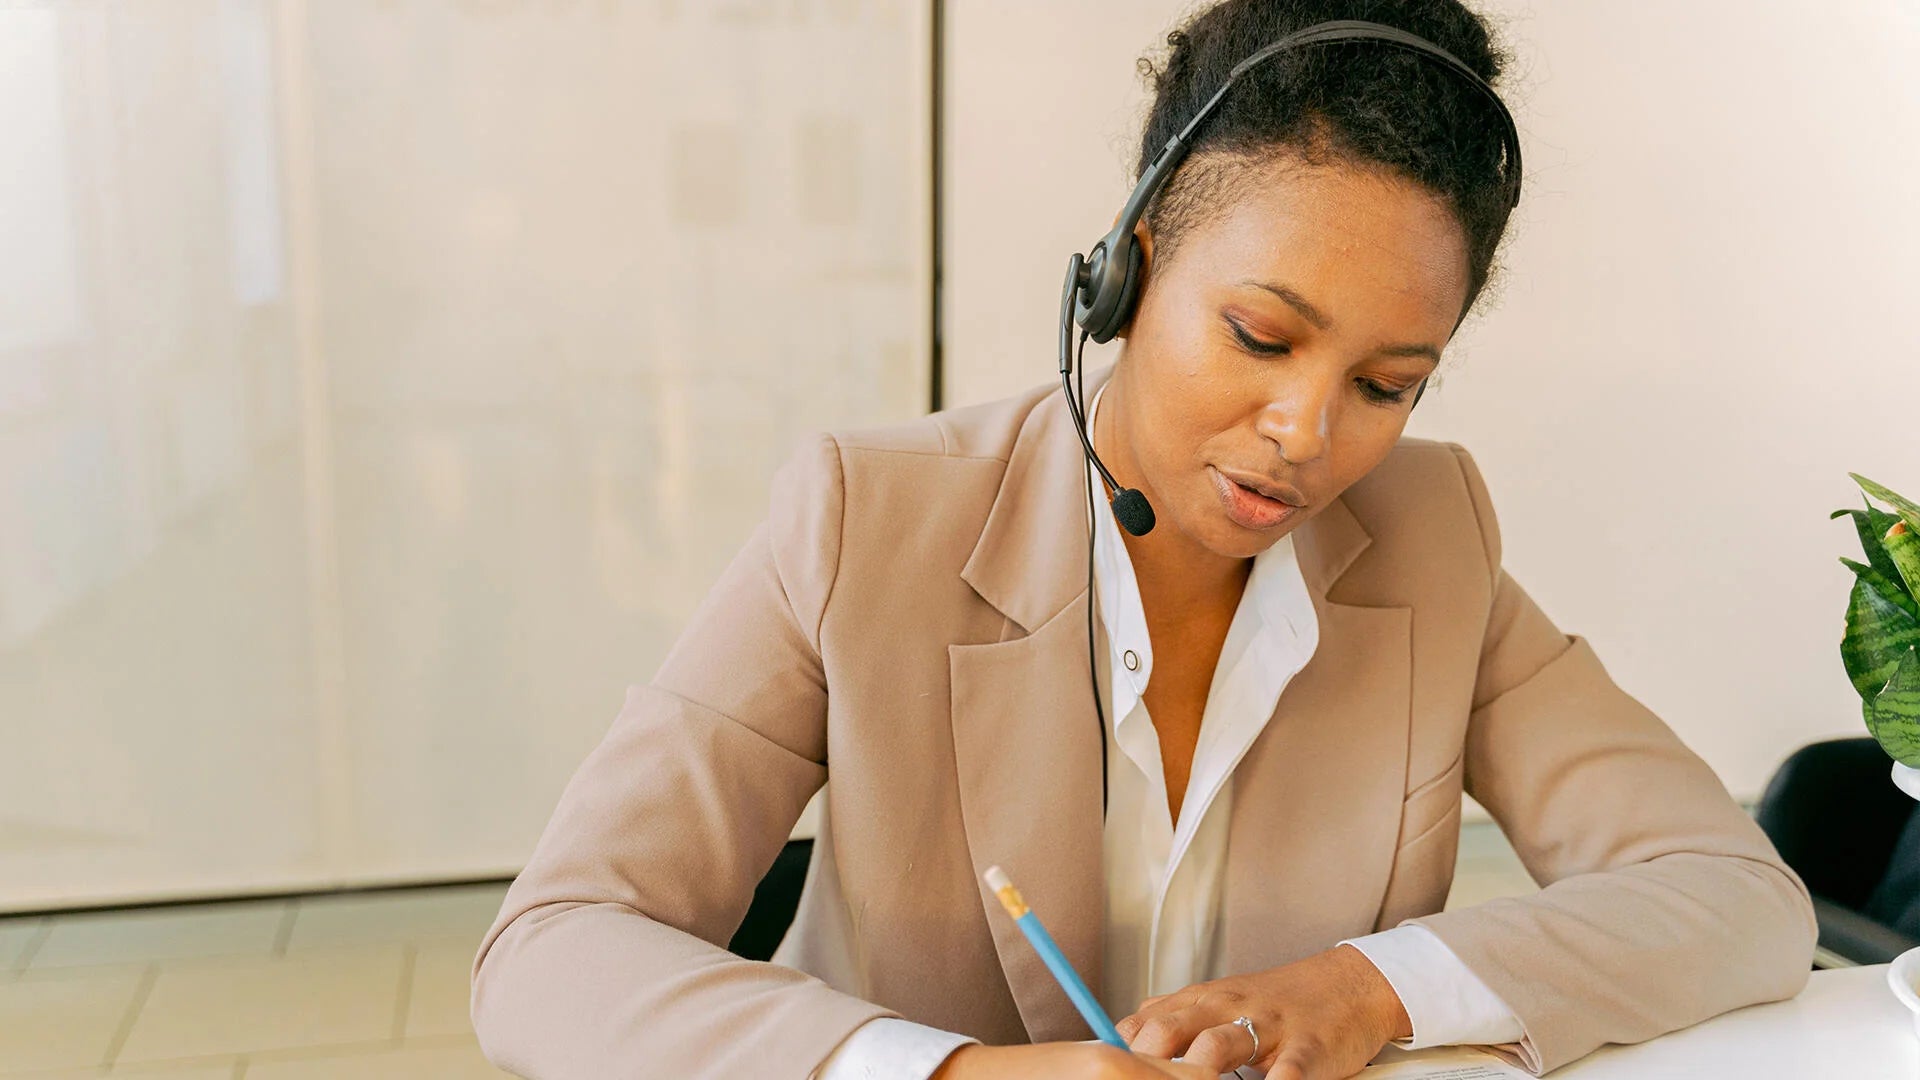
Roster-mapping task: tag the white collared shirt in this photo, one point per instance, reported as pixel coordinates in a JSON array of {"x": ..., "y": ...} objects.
[{"x": 1163, "y": 878}]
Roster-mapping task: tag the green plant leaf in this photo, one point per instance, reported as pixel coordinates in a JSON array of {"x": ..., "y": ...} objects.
[
  {"x": 1888, "y": 587},
  {"x": 1902, "y": 545},
  {"x": 1893, "y": 716},
  {"x": 1872, "y": 524},
  {"x": 1908, "y": 509},
  {"x": 1879, "y": 632}
]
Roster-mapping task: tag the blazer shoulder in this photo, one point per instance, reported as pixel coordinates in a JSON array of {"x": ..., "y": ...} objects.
[
  {"x": 928, "y": 483},
  {"x": 1427, "y": 493},
  {"x": 1414, "y": 470},
  {"x": 986, "y": 431}
]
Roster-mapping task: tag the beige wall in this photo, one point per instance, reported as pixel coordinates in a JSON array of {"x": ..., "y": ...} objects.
[
  {"x": 1707, "y": 320},
  {"x": 381, "y": 384}
]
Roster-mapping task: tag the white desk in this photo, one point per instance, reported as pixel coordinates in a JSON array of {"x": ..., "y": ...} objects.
[{"x": 1845, "y": 1025}]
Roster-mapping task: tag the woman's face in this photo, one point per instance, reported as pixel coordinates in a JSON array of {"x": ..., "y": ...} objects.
[{"x": 1281, "y": 348}]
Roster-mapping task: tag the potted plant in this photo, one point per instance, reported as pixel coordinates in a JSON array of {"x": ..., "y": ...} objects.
[
  {"x": 1881, "y": 646},
  {"x": 1881, "y": 650}
]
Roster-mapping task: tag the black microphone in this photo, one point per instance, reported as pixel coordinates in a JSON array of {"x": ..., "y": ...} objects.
[
  {"x": 1132, "y": 511},
  {"x": 1130, "y": 508}
]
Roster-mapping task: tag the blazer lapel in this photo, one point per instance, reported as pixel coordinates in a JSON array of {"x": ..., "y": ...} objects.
[
  {"x": 1026, "y": 742},
  {"x": 1317, "y": 800}
]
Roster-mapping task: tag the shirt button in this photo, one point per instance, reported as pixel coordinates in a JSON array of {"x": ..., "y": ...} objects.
[{"x": 1131, "y": 659}]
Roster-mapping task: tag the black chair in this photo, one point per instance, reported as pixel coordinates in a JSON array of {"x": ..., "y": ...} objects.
[
  {"x": 775, "y": 900},
  {"x": 1834, "y": 814}
]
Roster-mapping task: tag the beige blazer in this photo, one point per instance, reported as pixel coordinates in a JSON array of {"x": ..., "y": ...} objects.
[{"x": 910, "y": 622}]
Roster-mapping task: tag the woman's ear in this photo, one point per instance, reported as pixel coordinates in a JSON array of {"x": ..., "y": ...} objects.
[{"x": 1143, "y": 238}]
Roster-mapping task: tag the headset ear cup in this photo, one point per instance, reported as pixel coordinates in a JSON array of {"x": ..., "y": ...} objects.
[
  {"x": 1091, "y": 290},
  {"x": 1114, "y": 285},
  {"x": 1129, "y": 288}
]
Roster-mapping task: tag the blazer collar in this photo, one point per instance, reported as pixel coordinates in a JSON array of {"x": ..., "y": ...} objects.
[{"x": 1030, "y": 561}]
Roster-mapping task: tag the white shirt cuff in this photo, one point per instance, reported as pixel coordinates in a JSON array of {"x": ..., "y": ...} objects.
[
  {"x": 888, "y": 1048},
  {"x": 1446, "y": 1001}
]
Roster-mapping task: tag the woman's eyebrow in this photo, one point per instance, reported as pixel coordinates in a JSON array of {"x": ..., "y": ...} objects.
[
  {"x": 1307, "y": 311},
  {"x": 1320, "y": 321},
  {"x": 1410, "y": 349}
]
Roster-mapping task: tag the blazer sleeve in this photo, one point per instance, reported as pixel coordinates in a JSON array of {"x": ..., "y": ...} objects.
[
  {"x": 1663, "y": 902},
  {"x": 607, "y": 958}
]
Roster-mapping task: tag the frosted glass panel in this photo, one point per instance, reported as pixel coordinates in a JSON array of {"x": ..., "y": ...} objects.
[{"x": 381, "y": 384}]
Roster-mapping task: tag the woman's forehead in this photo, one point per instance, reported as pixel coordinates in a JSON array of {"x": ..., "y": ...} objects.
[{"x": 1335, "y": 234}]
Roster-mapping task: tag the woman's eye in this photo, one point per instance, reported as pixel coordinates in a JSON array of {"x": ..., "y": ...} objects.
[
  {"x": 1380, "y": 393},
  {"x": 1373, "y": 390},
  {"x": 1254, "y": 344}
]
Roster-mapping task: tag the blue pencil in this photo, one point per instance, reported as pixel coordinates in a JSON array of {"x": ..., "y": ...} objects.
[{"x": 1056, "y": 960}]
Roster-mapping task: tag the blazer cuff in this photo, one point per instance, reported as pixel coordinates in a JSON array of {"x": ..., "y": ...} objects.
[
  {"x": 1446, "y": 1001},
  {"x": 887, "y": 1048}
]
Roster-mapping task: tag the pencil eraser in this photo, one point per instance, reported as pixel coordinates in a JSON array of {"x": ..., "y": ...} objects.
[{"x": 996, "y": 878}]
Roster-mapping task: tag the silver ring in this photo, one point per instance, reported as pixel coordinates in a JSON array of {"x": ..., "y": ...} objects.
[{"x": 1242, "y": 1021}]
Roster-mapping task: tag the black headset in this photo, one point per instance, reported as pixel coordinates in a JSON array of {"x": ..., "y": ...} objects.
[{"x": 1100, "y": 286}]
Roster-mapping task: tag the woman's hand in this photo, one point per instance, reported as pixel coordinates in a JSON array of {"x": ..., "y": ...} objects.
[
  {"x": 1062, "y": 1061},
  {"x": 1321, "y": 1018}
]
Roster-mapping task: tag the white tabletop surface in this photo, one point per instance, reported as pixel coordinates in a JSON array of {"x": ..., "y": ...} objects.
[{"x": 1846, "y": 1025}]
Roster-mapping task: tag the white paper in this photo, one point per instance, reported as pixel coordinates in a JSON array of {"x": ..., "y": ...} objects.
[{"x": 1453, "y": 1063}]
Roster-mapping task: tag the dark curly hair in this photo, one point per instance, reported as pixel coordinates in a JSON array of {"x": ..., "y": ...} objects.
[{"x": 1360, "y": 104}]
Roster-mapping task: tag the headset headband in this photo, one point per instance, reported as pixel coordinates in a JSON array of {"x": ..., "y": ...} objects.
[{"x": 1104, "y": 290}]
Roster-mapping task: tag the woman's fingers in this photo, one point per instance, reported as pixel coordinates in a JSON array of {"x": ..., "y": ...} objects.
[
  {"x": 1171, "y": 1033},
  {"x": 1223, "y": 1047},
  {"x": 1289, "y": 1066},
  {"x": 1164, "y": 1034},
  {"x": 1130, "y": 1025}
]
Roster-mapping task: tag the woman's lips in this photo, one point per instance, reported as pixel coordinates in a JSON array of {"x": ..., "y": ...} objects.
[{"x": 1248, "y": 508}]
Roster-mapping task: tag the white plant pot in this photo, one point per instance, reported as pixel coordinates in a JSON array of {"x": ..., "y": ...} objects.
[
  {"x": 1907, "y": 779},
  {"x": 1904, "y": 976}
]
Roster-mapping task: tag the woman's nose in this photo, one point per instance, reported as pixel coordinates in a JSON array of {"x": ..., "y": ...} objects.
[{"x": 1297, "y": 421}]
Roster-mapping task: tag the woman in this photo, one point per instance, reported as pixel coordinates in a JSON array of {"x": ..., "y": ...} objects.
[{"x": 1296, "y": 674}]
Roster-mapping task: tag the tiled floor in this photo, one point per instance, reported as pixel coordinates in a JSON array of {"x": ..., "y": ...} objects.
[{"x": 365, "y": 986}]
